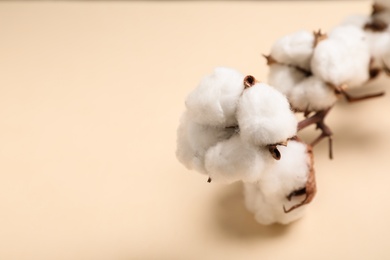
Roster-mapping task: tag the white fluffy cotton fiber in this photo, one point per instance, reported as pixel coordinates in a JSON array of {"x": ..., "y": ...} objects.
[
  {"x": 234, "y": 160},
  {"x": 342, "y": 58},
  {"x": 264, "y": 116},
  {"x": 214, "y": 100},
  {"x": 268, "y": 196},
  {"x": 193, "y": 141},
  {"x": 294, "y": 49}
]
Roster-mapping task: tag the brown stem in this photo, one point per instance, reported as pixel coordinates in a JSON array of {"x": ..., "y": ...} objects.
[
  {"x": 342, "y": 91},
  {"x": 318, "y": 119},
  {"x": 352, "y": 99}
]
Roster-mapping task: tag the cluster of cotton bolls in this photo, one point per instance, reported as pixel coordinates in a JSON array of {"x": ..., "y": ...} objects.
[
  {"x": 313, "y": 69},
  {"x": 237, "y": 129}
]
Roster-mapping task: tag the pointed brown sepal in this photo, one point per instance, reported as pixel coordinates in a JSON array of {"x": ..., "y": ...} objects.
[
  {"x": 318, "y": 37},
  {"x": 376, "y": 25},
  {"x": 377, "y": 8},
  {"x": 270, "y": 60},
  {"x": 209, "y": 180}
]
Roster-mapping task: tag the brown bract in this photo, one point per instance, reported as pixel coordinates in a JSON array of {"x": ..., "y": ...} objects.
[
  {"x": 270, "y": 60},
  {"x": 377, "y": 8},
  {"x": 318, "y": 37},
  {"x": 376, "y": 25},
  {"x": 310, "y": 188}
]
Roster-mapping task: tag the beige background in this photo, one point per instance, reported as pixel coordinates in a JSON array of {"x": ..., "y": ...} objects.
[{"x": 90, "y": 97}]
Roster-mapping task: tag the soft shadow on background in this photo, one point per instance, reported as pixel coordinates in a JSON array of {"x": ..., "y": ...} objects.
[{"x": 234, "y": 220}]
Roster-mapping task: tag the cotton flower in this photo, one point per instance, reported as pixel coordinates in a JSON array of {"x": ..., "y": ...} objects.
[
  {"x": 214, "y": 100},
  {"x": 294, "y": 49},
  {"x": 234, "y": 160},
  {"x": 269, "y": 198},
  {"x": 343, "y": 58},
  {"x": 264, "y": 116}
]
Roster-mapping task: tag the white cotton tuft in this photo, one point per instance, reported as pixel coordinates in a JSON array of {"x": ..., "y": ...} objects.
[
  {"x": 267, "y": 197},
  {"x": 233, "y": 160},
  {"x": 356, "y": 20},
  {"x": 294, "y": 49},
  {"x": 264, "y": 116},
  {"x": 284, "y": 78},
  {"x": 193, "y": 141},
  {"x": 214, "y": 100},
  {"x": 312, "y": 94},
  {"x": 342, "y": 58}
]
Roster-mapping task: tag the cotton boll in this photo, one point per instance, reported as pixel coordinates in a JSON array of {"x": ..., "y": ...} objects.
[
  {"x": 233, "y": 160},
  {"x": 264, "y": 116},
  {"x": 284, "y": 78},
  {"x": 343, "y": 58},
  {"x": 268, "y": 196},
  {"x": 193, "y": 140},
  {"x": 214, "y": 100},
  {"x": 378, "y": 41},
  {"x": 294, "y": 49},
  {"x": 312, "y": 94}
]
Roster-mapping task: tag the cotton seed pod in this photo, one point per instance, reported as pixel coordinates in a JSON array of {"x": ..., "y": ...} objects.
[
  {"x": 286, "y": 184},
  {"x": 284, "y": 78},
  {"x": 193, "y": 141},
  {"x": 214, "y": 100},
  {"x": 294, "y": 49},
  {"x": 343, "y": 58},
  {"x": 312, "y": 94},
  {"x": 234, "y": 160},
  {"x": 264, "y": 116}
]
